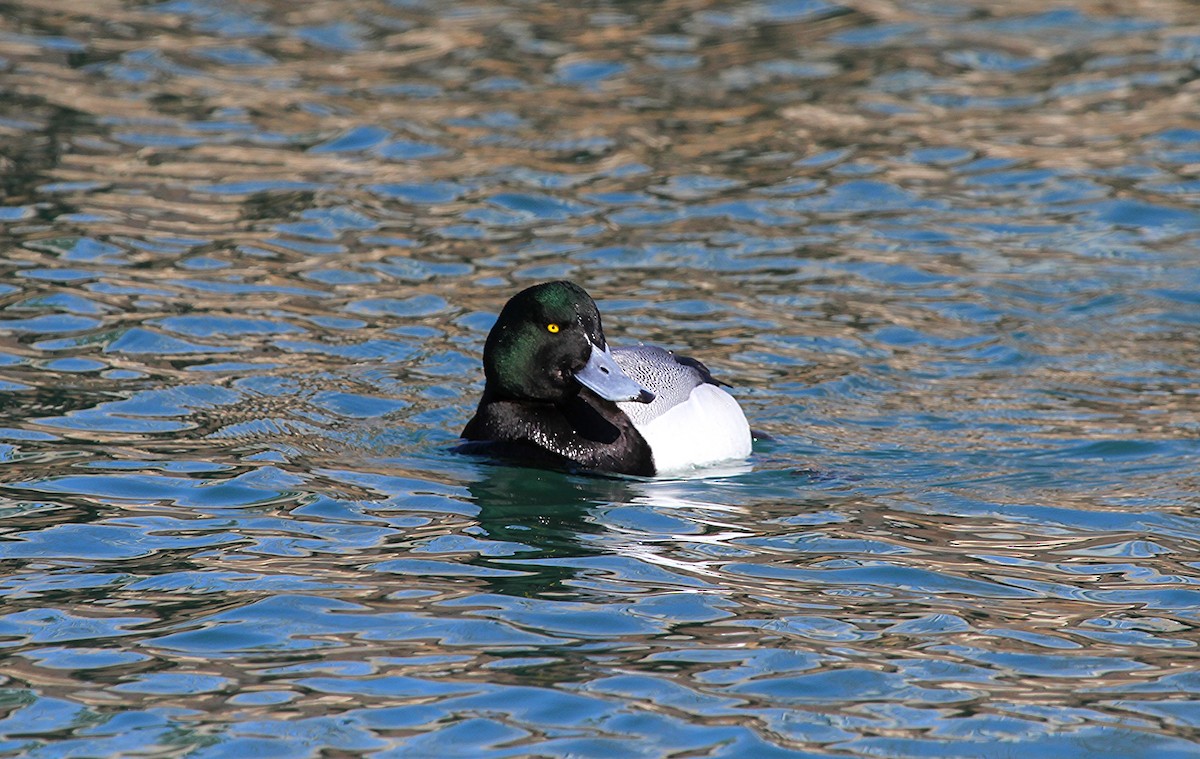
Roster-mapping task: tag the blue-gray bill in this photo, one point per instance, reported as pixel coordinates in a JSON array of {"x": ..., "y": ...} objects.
[{"x": 603, "y": 377}]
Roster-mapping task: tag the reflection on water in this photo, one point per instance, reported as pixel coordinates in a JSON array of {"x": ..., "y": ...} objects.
[{"x": 945, "y": 253}]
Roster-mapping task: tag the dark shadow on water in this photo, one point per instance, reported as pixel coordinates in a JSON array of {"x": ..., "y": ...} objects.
[
  {"x": 547, "y": 511},
  {"x": 554, "y": 521}
]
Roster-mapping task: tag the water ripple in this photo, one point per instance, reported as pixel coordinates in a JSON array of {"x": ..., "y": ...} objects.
[{"x": 944, "y": 254}]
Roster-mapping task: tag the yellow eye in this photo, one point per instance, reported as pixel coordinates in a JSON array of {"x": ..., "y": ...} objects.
[{"x": 552, "y": 327}]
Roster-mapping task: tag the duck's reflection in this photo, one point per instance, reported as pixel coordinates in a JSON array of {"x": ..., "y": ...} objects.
[
  {"x": 551, "y": 518},
  {"x": 545, "y": 515}
]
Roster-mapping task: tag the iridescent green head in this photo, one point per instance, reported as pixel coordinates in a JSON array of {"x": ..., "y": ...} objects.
[{"x": 547, "y": 341}]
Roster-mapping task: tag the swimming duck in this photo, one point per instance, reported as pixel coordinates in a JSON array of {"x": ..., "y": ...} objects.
[{"x": 556, "y": 395}]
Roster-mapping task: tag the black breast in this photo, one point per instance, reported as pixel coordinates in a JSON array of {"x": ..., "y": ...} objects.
[{"x": 584, "y": 431}]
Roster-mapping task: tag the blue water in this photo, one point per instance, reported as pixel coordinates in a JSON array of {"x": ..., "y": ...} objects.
[{"x": 947, "y": 254}]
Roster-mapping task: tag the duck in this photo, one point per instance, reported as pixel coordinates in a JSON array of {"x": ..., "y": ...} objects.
[{"x": 557, "y": 396}]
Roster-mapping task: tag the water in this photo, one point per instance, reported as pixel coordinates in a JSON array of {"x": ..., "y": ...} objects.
[{"x": 946, "y": 253}]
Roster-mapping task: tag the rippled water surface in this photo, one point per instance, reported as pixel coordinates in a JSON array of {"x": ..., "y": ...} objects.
[{"x": 948, "y": 254}]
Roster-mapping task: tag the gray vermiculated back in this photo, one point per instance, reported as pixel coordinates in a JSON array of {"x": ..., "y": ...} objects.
[{"x": 658, "y": 371}]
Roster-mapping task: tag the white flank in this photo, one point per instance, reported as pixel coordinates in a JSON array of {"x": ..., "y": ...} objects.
[{"x": 706, "y": 428}]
